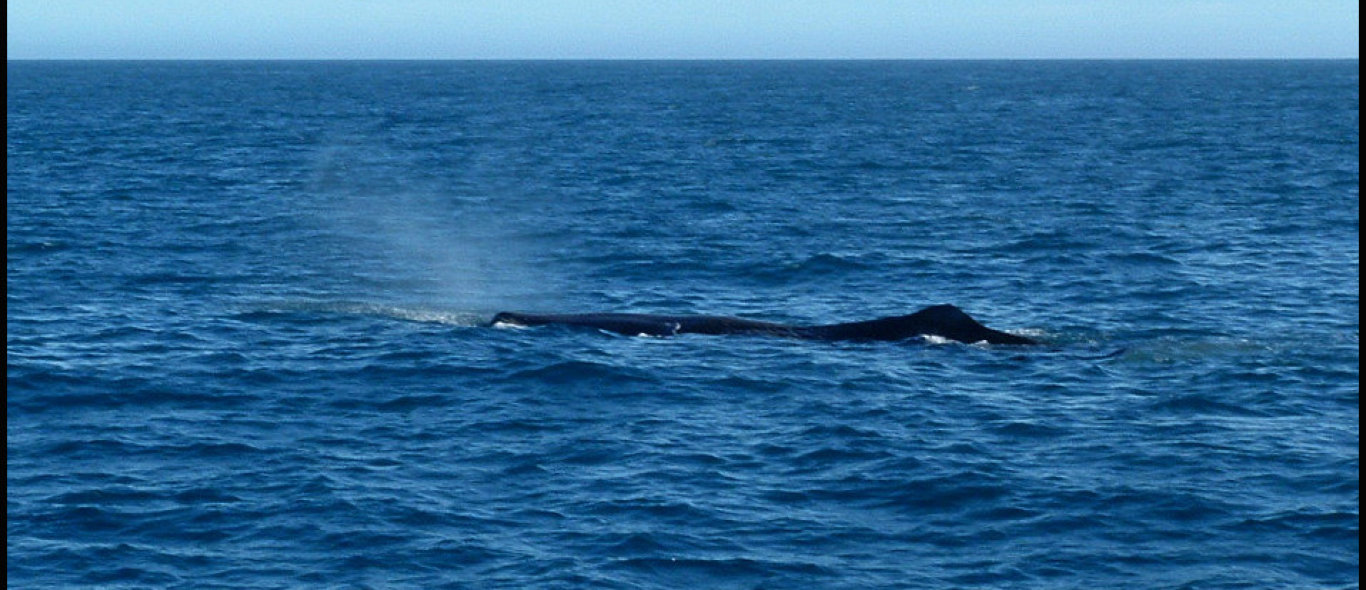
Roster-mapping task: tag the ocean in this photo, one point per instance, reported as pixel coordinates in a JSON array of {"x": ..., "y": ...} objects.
[{"x": 247, "y": 311}]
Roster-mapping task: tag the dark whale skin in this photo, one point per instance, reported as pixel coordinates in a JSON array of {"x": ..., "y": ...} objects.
[{"x": 944, "y": 321}]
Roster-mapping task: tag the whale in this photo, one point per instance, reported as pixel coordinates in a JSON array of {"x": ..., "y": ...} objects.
[{"x": 943, "y": 321}]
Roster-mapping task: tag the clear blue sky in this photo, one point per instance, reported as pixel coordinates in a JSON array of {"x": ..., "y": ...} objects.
[{"x": 679, "y": 29}]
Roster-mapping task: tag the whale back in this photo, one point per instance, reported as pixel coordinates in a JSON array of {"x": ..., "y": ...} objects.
[
  {"x": 944, "y": 321},
  {"x": 633, "y": 324},
  {"x": 620, "y": 323}
]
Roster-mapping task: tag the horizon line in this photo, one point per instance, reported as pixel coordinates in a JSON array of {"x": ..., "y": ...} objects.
[{"x": 667, "y": 59}]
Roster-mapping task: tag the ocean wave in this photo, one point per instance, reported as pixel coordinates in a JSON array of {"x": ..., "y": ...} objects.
[{"x": 261, "y": 362}]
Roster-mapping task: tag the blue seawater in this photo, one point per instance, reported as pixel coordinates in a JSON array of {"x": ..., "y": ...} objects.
[{"x": 245, "y": 306}]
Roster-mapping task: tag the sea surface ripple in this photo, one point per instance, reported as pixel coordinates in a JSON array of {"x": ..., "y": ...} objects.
[{"x": 246, "y": 307}]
